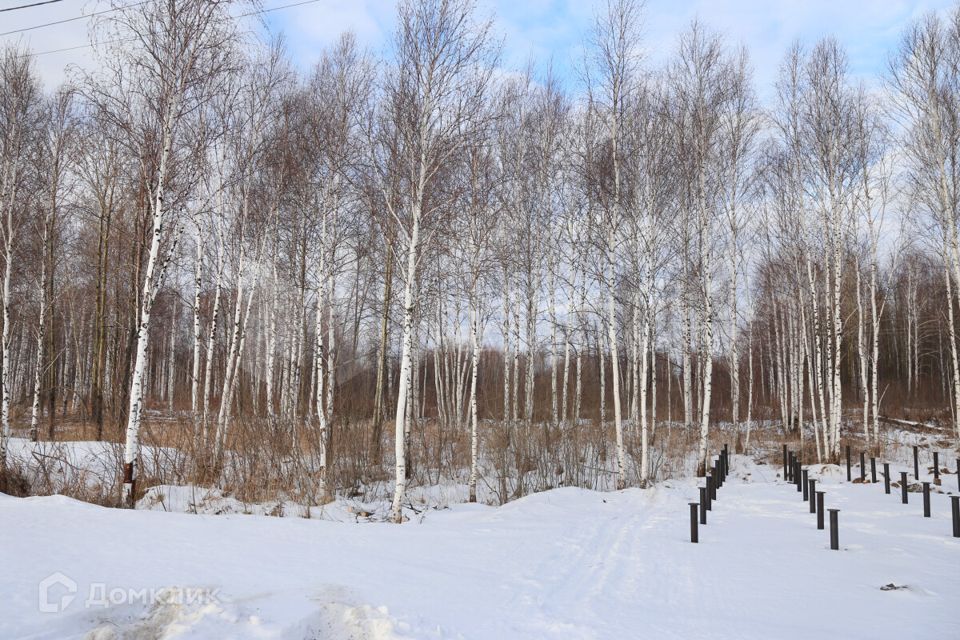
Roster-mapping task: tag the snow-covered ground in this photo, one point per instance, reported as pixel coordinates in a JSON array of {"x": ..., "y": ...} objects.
[{"x": 567, "y": 563}]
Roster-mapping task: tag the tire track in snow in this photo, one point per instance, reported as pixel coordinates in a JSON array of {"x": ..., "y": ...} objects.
[{"x": 588, "y": 577}]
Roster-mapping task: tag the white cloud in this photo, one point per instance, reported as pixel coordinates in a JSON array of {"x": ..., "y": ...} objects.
[
  {"x": 545, "y": 31},
  {"x": 53, "y": 38},
  {"x": 311, "y": 28},
  {"x": 868, "y": 29}
]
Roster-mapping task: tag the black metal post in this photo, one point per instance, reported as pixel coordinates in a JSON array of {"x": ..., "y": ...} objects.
[
  {"x": 916, "y": 462},
  {"x": 785, "y": 462},
  {"x": 805, "y": 484},
  {"x": 820, "y": 510},
  {"x": 886, "y": 477},
  {"x": 711, "y": 492},
  {"x": 798, "y": 476},
  {"x": 903, "y": 487},
  {"x": 873, "y": 469},
  {"x": 813, "y": 497},
  {"x": 955, "y": 508},
  {"x": 936, "y": 468},
  {"x": 863, "y": 468},
  {"x": 926, "y": 499},
  {"x": 849, "y": 477},
  {"x": 834, "y": 529},
  {"x": 789, "y": 476},
  {"x": 693, "y": 522},
  {"x": 703, "y": 505}
]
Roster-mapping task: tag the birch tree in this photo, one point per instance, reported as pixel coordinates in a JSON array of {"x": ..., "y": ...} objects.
[
  {"x": 701, "y": 88},
  {"x": 183, "y": 48},
  {"x": 435, "y": 89},
  {"x": 925, "y": 79},
  {"x": 56, "y": 148},
  {"x": 476, "y": 234},
  {"x": 650, "y": 205},
  {"x": 340, "y": 90},
  {"x": 616, "y": 60},
  {"x": 827, "y": 121},
  {"x": 20, "y": 112}
]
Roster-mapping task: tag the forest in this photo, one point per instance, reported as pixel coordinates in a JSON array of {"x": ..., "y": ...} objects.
[{"x": 395, "y": 268}]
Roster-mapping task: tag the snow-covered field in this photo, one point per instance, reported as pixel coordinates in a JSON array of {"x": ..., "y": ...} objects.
[{"x": 567, "y": 563}]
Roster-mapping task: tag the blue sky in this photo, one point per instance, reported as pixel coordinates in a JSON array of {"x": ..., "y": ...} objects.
[
  {"x": 553, "y": 31},
  {"x": 548, "y": 31}
]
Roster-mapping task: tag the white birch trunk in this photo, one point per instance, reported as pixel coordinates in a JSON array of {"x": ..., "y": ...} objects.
[
  {"x": 403, "y": 391},
  {"x": 172, "y": 361},
  {"x": 615, "y": 368},
  {"x": 41, "y": 334},
  {"x": 134, "y": 412},
  {"x": 862, "y": 357},
  {"x": 323, "y": 431},
  {"x": 212, "y": 341},
  {"x": 707, "y": 368},
  {"x": 9, "y": 188},
  {"x": 197, "y": 327},
  {"x": 475, "y": 367}
]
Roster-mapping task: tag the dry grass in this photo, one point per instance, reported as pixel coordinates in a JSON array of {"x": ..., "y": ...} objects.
[{"x": 273, "y": 459}]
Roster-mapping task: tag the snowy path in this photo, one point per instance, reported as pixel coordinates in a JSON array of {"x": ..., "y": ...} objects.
[{"x": 564, "y": 564}]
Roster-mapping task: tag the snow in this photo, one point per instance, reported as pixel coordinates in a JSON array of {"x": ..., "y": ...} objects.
[
  {"x": 567, "y": 563},
  {"x": 91, "y": 464}
]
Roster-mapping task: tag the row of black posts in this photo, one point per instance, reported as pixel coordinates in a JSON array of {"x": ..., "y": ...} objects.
[
  {"x": 794, "y": 473},
  {"x": 954, "y": 500},
  {"x": 715, "y": 479}
]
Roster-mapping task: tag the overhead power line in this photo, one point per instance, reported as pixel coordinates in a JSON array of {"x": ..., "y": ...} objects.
[
  {"x": 285, "y": 6},
  {"x": 73, "y": 19},
  {"x": 85, "y": 46},
  {"x": 27, "y": 6}
]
